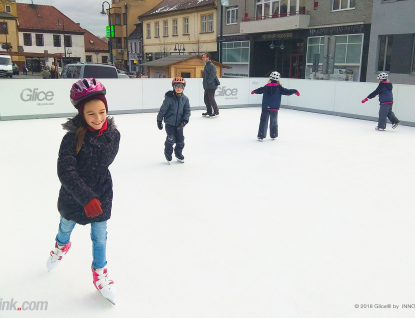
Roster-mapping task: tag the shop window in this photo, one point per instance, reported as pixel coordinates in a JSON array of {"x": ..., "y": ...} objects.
[{"x": 235, "y": 52}]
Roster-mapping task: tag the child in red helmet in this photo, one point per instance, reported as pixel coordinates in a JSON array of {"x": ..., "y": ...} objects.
[
  {"x": 175, "y": 112},
  {"x": 88, "y": 148}
]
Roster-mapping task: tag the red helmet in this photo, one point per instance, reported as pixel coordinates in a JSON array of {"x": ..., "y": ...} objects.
[
  {"x": 179, "y": 80},
  {"x": 86, "y": 88}
]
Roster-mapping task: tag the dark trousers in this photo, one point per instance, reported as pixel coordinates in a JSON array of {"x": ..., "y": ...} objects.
[
  {"x": 174, "y": 136},
  {"x": 385, "y": 111},
  {"x": 272, "y": 115},
  {"x": 211, "y": 106}
]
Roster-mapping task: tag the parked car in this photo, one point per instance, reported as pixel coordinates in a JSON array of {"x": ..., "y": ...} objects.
[
  {"x": 87, "y": 70},
  {"x": 6, "y": 68},
  {"x": 15, "y": 69}
]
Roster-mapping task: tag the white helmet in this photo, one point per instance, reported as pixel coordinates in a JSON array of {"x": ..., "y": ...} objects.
[
  {"x": 274, "y": 76},
  {"x": 383, "y": 76}
]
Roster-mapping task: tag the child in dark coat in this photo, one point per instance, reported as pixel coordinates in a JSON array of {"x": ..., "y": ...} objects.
[
  {"x": 176, "y": 112},
  {"x": 271, "y": 101},
  {"x": 88, "y": 148},
  {"x": 384, "y": 90}
]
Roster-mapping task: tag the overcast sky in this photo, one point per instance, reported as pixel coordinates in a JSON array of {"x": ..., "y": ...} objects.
[{"x": 85, "y": 12}]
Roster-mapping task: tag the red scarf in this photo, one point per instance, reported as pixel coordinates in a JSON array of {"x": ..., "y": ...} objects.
[{"x": 101, "y": 131}]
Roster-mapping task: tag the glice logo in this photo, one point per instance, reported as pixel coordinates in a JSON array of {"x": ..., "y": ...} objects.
[
  {"x": 28, "y": 95},
  {"x": 223, "y": 91}
]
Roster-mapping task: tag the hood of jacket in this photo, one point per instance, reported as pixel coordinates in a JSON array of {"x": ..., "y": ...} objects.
[{"x": 74, "y": 123}]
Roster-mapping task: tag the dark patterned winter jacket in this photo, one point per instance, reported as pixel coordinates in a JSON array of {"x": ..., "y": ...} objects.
[
  {"x": 174, "y": 110},
  {"x": 86, "y": 176},
  {"x": 271, "y": 98}
]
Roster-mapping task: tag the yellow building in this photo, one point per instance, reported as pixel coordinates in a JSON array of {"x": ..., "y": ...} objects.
[
  {"x": 179, "y": 27},
  {"x": 123, "y": 15},
  {"x": 9, "y": 35}
]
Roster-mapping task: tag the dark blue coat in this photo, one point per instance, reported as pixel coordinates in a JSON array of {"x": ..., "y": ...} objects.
[
  {"x": 86, "y": 176},
  {"x": 271, "y": 99},
  {"x": 384, "y": 90},
  {"x": 174, "y": 110},
  {"x": 209, "y": 75}
]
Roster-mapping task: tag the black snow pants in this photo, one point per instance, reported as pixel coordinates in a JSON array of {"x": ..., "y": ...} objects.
[
  {"x": 174, "y": 136},
  {"x": 385, "y": 111},
  {"x": 272, "y": 115}
]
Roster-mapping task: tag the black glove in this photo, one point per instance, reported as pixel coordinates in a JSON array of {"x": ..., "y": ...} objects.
[
  {"x": 182, "y": 124},
  {"x": 160, "y": 125}
]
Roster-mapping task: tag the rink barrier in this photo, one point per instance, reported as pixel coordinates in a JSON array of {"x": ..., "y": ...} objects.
[{"x": 41, "y": 98}]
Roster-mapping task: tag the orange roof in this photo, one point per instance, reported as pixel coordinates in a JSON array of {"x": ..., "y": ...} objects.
[
  {"x": 93, "y": 43},
  {"x": 44, "y": 18}
]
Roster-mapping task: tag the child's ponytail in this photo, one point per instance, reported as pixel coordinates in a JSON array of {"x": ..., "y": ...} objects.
[{"x": 80, "y": 136}]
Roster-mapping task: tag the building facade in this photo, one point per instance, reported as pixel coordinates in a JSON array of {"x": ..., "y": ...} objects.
[{"x": 392, "y": 44}]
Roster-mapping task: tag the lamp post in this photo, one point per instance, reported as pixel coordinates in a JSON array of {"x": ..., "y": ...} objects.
[
  {"x": 126, "y": 38},
  {"x": 5, "y": 33},
  {"x": 63, "y": 31},
  {"x": 179, "y": 47},
  {"x": 223, "y": 3},
  {"x": 109, "y": 24}
]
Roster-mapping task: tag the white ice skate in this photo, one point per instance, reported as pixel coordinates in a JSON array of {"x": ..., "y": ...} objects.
[
  {"x": 56, "y": 255},
  {"x": 103, "y": 284}
]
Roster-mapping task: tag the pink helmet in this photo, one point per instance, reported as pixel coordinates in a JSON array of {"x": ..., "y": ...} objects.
[{"x": 85, "y": 88}]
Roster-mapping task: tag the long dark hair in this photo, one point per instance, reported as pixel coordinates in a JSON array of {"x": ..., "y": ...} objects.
[{"x": 80, "y": 133}]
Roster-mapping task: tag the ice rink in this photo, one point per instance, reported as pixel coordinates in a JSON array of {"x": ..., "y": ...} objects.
[{"x": 313, "y": 224}]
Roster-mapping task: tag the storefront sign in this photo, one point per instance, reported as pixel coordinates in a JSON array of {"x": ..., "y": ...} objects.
[{"x": 277, "y": 36}]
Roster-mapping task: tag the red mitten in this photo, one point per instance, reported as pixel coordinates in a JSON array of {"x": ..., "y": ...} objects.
[
  {"x": 297, "y": 93},
  {"x": 253, "y": 92},
  {"x": 93, "y": 208},
  {"x": 365, "y": 100}
]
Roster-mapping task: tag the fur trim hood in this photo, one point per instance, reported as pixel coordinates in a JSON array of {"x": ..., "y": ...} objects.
[{"x": 74, "y": 123}]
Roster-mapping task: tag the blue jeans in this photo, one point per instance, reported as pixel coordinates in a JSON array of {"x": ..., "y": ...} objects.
[{"x": 98, "y": 237}]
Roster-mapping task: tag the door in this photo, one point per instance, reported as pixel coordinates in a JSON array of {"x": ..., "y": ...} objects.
[{"x": 296, "y": 65}]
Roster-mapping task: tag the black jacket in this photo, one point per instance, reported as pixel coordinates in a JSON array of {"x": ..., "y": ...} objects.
[
  {"x": 209, "y": 75},
  {"x": 271, "y": 99},
  {"x": 384, "y": 90},
  {"x": 86, "y": 176},
  {"x": 174, "y": 110}
]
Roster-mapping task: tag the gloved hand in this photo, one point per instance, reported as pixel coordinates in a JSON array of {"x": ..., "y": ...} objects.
[
  {"x": 297, "y": 93},
  {"x": 182, "y": 124},
  {"x": 365, "y": 100},
  {"x": 160, "y": 125},
  {"x": 253, "y": 92},
  {"x": 93, "y": 208}
]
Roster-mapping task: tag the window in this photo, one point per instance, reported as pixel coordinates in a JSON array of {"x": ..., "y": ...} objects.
[
  {"x": 156, "y": 29},
  {"x": 232, "y": 15},
  {"x": 204, "y": 22},
  {"x": 148, "y": 31},
  {"x": 68, "y": 40},
  {"x": 8, "y": 9},
  {"x": 118, "y": 19},
  {"x": 175, "y": 27},
  {"x": 104, "y": 59},
  {"x": 343, "y": 4},
  {"x": 315, "y": 45},
  {"x": 385, "y": 53},
  {"x": 39, "y": 39},
  {"x": 56, "y": 40},
  {"x": 268, "y": 7},
  {"x": 210, "y": 23},
  {"x": 27, "y": 39},
  {"x": 3, "y": 28},
  {"x": 186, "y": 26},
  {"x": 88, "y": 58},
  {"x": 166, "y": 28},
  {"x": 235, "y": 52}
]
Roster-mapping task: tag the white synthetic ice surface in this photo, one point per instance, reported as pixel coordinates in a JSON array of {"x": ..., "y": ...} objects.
[{"x": 307, "y": 225}]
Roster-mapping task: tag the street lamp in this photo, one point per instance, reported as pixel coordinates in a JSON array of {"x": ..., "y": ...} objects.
[
  {"x": 223, "y": 3},
  {"x": 4, "y": 26},
  {"x": 109, "y": 24},
  {"x": 180, "y": 47},
  {"x": 63, "y": 31}
]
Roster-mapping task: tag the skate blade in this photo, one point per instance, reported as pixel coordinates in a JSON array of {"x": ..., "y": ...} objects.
[
  {"x": 179, "y": 160},
  {"x": 168, "y": 162}
]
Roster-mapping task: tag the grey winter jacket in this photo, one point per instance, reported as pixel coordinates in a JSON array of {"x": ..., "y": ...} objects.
[
  {"x": 85, "y": 175},
  {"x": 174, "y": 110},
  {"x": 209, "y": 75}
]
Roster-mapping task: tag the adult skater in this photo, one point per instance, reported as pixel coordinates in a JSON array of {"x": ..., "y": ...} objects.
[
  {"x": 175, "y": 111},
  {"x": 88, "y": 148},
  {"x": 271, "y": 101},
  {"x": 384, "y": 90},
  {"x": 210, "y": 85}
]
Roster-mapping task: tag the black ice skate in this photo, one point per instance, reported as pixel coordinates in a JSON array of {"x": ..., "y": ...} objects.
[
  {"x": 380, "y": 129},
  {"x": 395, "y": 125},
  {"x": 180, "y": 158},
  {"x": 206, "y": 115},
  {"x": 168, "y": 157}
]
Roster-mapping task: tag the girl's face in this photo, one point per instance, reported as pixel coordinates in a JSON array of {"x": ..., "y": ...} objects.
[{"x": 95, "y": 113}]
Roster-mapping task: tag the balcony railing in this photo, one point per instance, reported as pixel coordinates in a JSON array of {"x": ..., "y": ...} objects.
[{"x": 274, "y": 16}]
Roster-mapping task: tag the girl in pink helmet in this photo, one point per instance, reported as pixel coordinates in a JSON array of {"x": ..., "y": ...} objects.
[{"x": 88, "y": 148}]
